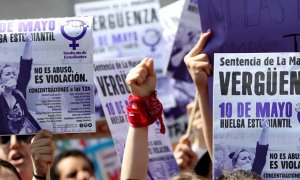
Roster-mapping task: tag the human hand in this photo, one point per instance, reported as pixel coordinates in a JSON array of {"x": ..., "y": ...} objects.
[
  {"x": 142, "y": 78},
  {"x": 42, "y": 152},
  {"x": 198, "y": 62},
  {"x": 28, "y": 37},
  {"x": 265, "y": 124},
  {"x": 27, "y": 52},
  {"x": 184, "y": 155}
]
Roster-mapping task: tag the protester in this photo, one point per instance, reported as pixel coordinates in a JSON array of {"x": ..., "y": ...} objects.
[
  {"x": 240, "y": 174},
  {"x": 8, "y": 171},
  {"x": 28, "y": 158},
  {"x": 192, "y": 156},
  {"x": 243, "y": 159},
  {"x": 142, "y": 81},
  {"x": 15, "y": 117},
  {"x": 188, "y": 176},
  {"x": 187, "y": 159},
  {"x": 199, "y": 69},
  {"x": 42, "y": 153},
  {"x": 72, "y": 164}
]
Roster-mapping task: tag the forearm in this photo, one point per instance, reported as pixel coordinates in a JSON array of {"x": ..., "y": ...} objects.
[
  {"x": 263, "y": 137},
  {"x": 27, "y": 52},
  {"x": 135, "y": 157},
  {"x": 205, "y": 116}
]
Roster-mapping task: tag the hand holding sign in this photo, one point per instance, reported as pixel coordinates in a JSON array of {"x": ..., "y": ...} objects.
[
  {"x": 198, "y": 62},
  {"x": 142, "y": 78},
  {"x": 199, "y": 69},
  {"x": 42, "y": 152},
  {"x": 184, "y": 155}
]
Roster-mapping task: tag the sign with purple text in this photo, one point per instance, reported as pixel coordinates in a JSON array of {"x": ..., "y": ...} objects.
[
  {"x": 126, "y": 28},
  {"x": 256, "y": 114},
  {"x": 178, "y": 84},
  {"x": 44, "y": 82},
  {"x": 110, "y": 78},
  {"x": 169, "y": 20}
]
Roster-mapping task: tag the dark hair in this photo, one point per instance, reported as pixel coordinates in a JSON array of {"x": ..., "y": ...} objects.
[
  {"x": 65, "y": 154},
  {"x": 9, "y": 166},
  {"x": 188, "y": 176},
  {"x": 240, "y": 174}
]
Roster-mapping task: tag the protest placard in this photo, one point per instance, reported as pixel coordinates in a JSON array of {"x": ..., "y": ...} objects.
[
  {"x": 45, "y": 82},
  {"x": 126, "y": 28},
  {"x": 178, "y": 84},
  {"x": 256, "y": 114},
  {"x": 110, "y": 78},
  {"x": 250, "y": 26}
]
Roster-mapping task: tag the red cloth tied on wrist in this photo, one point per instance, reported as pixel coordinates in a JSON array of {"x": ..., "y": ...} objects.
[{"x": 149, "y": 109}]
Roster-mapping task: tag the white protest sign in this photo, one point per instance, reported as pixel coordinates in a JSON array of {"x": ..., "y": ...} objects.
[
  {"x": 178, "y": 85},
  {"x": 256, "y": 113},
  {"x": 126, "y": 28},
  {"x": 110, "y": 78},
  {"x": 45, "y": 81}
]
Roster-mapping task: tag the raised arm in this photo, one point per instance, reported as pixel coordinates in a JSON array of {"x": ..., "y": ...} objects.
[
  {"x": 141, "y": 81},
  {"x": 27, "y": 52},
  {"x": 25, "y": 65},
  {"x": 264, "y": 135},
  {"x": 199, "y": 69}
]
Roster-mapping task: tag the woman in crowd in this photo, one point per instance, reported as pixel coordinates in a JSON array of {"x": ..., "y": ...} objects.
[
  {"x": 199, "y": 68},
  {"x": 15, "y": 117},
  {"x": 243, "y": 159}
]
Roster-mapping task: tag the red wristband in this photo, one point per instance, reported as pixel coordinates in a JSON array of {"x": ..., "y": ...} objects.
[{"x": 149, "y": 109}]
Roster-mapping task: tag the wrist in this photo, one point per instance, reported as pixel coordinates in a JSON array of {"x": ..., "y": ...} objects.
[
  {"x": 38, "y": 176},
  {"x": 38, "y": 173},
  {"x": 144, "y": 111}
]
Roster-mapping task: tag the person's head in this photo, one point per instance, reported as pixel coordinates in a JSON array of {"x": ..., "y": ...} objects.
[
  {"x": 187, "y": 176},
  {"x": 8, "y": 75},
  {"x": 72, "y": 164},
  {"x": 241, "y": 159},
  {"x": 8, "y": 171},
  {"x": 15, "y": 150},
  {"x": 240, "y": 174}
]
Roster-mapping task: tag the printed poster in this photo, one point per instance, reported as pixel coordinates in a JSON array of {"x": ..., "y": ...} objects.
[
  {"x": 44, "y": 81},
  {"x": 178, "y": 84},
  {"x": 256, "y": 114},
  {"x": 169, "y": 20},
  {"x": 126, "y": 28},
  {"x": 110, "y": 78}
]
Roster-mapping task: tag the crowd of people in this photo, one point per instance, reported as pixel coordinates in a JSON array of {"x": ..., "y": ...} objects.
[{"x": 32, "y": 157}]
